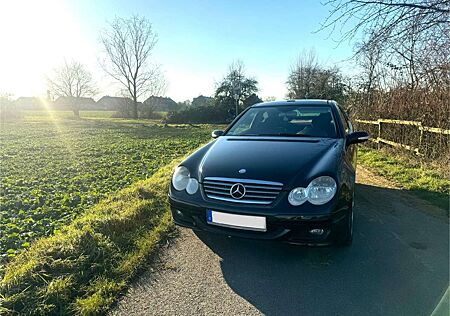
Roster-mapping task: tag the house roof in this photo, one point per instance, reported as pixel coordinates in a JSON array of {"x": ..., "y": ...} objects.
[
  {"x": 156, "y": 99},
  {"x": 74, "y": 100},
  {"x": 110, "y": 99}
]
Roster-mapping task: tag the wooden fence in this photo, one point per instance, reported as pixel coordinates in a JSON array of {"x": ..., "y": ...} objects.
[{"x": 379, "y": 139}]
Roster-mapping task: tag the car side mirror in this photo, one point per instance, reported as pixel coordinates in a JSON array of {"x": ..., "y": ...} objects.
[
  {"x": 216, "y": 133},
  {"x": 357, "y": 137}
]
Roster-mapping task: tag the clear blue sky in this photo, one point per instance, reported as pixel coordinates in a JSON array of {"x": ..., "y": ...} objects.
[{"x": 197, "y": 40}]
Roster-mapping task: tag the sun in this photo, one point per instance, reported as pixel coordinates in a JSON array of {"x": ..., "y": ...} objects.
[{"x": 37, "y": 35}]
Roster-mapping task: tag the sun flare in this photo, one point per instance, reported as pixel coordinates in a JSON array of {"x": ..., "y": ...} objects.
[{"x": 41, "y": 34}]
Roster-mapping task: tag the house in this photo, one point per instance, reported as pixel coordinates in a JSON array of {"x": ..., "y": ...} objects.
[
  {"x": 31, "y": 103},
  {"x": 113, "y": 103},
  {"x": 160, "y": 103},
  {"x": 69, "y": 103},
  {"x": 202, "y": 100}
]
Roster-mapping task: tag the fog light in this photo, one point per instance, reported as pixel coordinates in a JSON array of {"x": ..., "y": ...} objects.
[
  {"x": 316, "y": 231},
  {"x": 179, "y": 213}
]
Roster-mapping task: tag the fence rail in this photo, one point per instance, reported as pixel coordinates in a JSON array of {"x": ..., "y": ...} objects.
[{"x": 379, "y": 139}]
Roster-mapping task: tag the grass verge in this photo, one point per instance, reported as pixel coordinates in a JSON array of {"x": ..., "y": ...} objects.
[
  {"x": 424, "y": 181},
  {"x": 81, "y": 269}
]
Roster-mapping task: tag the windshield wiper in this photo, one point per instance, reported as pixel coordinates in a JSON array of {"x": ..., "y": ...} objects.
[
  {"x": 281, "y": 134},
  {"x": 246, "y": 135}
]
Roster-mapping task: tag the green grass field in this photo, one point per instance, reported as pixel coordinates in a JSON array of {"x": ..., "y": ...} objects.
[
  {"x": 423, "y": 180},
  {"x": 54, "y": 167}
]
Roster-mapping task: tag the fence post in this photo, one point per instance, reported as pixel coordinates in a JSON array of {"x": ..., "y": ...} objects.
[
  {"x": 419, "y": 149},
  {"x": 379, "y": 134}
]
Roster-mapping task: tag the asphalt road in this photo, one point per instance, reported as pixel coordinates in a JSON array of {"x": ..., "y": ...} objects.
[{"x": 397, "y": 265}]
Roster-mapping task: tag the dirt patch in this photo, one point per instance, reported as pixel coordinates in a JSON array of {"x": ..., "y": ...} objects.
[{"x": 367, "y": 177}]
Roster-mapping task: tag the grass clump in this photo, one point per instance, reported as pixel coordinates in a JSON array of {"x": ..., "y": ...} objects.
[
  {"x": 83, "y": 267},
  {"x": 423, "y": 180}
]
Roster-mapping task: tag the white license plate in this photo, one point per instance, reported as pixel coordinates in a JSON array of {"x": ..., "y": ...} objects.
[{"x": 257, "y": 223}]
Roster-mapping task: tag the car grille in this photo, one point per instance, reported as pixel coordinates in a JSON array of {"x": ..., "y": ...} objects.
[{"x": 256, "y": 191}]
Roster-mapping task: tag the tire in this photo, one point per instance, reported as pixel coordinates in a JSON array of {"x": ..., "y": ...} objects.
[{"x": 344, "y": 236}]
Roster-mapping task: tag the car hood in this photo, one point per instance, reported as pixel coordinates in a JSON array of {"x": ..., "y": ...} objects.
[{"x": 293, "y": 162}]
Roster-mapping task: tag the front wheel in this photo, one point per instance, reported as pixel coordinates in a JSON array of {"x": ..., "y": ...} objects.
[{"x": 344, "y": 236}]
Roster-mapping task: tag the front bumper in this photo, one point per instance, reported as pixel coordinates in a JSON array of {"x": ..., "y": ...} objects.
[{"x": 291, "y": 228}]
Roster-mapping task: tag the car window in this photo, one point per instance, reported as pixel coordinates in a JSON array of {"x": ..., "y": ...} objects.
[
  {"x": 301, "y": 121},
  {"x": 348, "y": 128},
  {"x": 245, "y": 123}
]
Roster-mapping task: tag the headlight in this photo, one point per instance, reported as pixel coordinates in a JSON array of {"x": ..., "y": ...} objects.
[
  {"x": 319, "y": 191},
  {"x": 298, "y": 196},
  {"x": 181, "y": 180},
  {"x": 192, "y": 186}
]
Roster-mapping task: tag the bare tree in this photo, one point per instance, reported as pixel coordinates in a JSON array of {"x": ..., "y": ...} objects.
[
  {"x": 369, "y": 58},
  {"x": 405, "y": 59},
  {"x": 388, "y": 20},
  {"x": 72, "y": 80},
  {"x": 308, "y": 79},
  {"x": 300, "y": 81},
  {"x": 128, "y": 45}
]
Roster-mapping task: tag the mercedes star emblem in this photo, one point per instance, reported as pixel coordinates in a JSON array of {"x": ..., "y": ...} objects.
[{"x": 237, "y": 191}]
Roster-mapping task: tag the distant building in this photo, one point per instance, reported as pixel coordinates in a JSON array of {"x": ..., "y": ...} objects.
[
  {"x": 161, "y": 104},
  {"x": 68, "y": 103},
  {"x": 113, "y": 103},
  {"x": 31, "y": 103},
  {"x": 201, "y": 100}
]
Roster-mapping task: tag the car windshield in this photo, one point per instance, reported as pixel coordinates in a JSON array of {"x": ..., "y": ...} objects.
[{"x": 295, "y": 121}]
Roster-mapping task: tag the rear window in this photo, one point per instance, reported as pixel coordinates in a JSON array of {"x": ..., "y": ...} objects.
[{"x": 300, "y": 121}]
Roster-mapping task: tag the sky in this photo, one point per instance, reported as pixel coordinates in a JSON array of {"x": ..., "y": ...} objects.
[{"x": 197, "y": 41}]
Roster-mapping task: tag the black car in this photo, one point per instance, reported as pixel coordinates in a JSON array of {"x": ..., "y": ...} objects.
[{"x": 281, "y": 170}]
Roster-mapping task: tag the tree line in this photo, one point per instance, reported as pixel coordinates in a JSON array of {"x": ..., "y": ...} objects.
[
  {"x": 402, "y": 53},
  {"x": 403, "y": 50},
  {"x": 404, "y": 57}
]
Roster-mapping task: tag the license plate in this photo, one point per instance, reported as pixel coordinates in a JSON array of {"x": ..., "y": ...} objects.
[{"x": 249, "y": 222}]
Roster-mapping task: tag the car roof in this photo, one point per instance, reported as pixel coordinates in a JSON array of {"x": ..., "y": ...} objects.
[{"x": 297, "y": 102}]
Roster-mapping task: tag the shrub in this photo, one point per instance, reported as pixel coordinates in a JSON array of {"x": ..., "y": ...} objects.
[{"x": 207, "y": 114}]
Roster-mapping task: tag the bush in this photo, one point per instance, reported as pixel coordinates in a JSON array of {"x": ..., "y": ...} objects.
[
  {"x": 221, "y": 110},
  {"x": 146, "y": 114},
  {"x": 428, "y": 106},
  {"x": 82, "y": 268},
  {"x": 142, "y": 114},
  {"x": 196, "y": 115}
]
